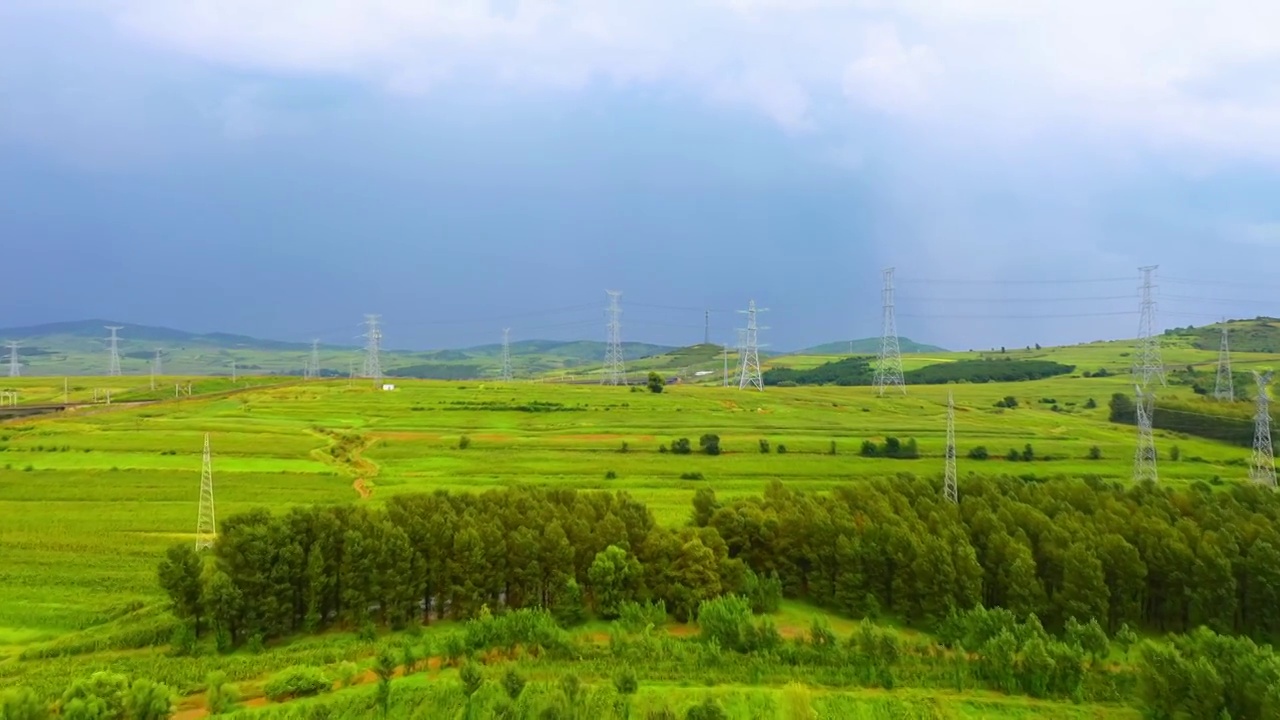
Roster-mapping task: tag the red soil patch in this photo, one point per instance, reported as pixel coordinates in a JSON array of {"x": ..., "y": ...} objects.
[{"x": 362, "y": 488}]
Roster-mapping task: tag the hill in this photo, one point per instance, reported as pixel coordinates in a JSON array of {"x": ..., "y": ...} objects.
[
  {"x": 1262, "y": 334},
  {"x": 866, "y": 346}
]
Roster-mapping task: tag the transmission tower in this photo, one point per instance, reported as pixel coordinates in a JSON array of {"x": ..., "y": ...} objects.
[
  {"x": 706, "y": 327},
  {"x": 313, "y": 365},
  {"x": 889, "y": 364},
  {"x": 372, "y": 348},
  {"x": 506, "y": 354},
  {"x": 615, "y": 371},
  {"x": 155, "y": 368},
  {"x": 15, "y": 367},
  {"x": 113, "y": 346},
  {"x": 1144, "y": 459},
  {"x": 1147, "y": 365},
  {"x": 205, "y": 528},
  {"x": 749, "y": 374},
  {"x": 1225, "y": 387},
  {"x": 949, "y": 476},
  {"x": 1263, "y": 468},
  {"x": 726, "y": 365}
]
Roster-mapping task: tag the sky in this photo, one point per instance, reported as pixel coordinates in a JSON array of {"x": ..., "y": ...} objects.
[{"x": 281, "y": 169}]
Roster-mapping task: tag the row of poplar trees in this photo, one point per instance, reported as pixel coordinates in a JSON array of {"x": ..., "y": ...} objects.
[{"x": 1147, "y": 556}]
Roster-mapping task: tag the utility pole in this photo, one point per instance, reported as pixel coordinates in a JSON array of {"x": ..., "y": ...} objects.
[
  {"x": 1225, "y": 387},
  {"x": 750, "y": 376},
  {"x": 113, "y": 345},
  {"x": 1148, "y": 365},
  {"x": 372, "y": 348},
  {"x": 206, "y": 530},
  {"x": 1144, "y": 459},
  {"x": 1262, "y": 469},
  {"x": 949, "y": 474},
  {"x": 15, "y": 367},
  {"x": 313, "y": 367},
  {"x": 889, "y": 364},
  {"x": 615, "y": 370},
  {"x": 506, "y": 354}
]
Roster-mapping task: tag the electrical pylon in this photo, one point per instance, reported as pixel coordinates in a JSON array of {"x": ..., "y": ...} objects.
[
  {"x": 113, "y": 346},
  {"x": 155, "y": 368},
  {"x": 706, "y": 327},
  {"x": 1147, "y": 364},
  {"x": 615, "y": 370},
  {"x": 1224, "y": 388},
  {"x": 206, "y": 529},
  {"x": 15, "y": 367},
  {"x": 949, "y": 475},
  {"x": 889, "y": 363},
  {"x": 372, "y": 348},
  {"x": 749, "y": 374},
  {"x": 1262, "y": 469},
  {"x": 506, "y": 354},
  {"x": 1144, "y": 459},
  {"x": 726, "y": 365},
  {"x": 313, "y": 364}
]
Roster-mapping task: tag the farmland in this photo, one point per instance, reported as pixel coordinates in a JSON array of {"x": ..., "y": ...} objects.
[{"x": 91, "y": 499}]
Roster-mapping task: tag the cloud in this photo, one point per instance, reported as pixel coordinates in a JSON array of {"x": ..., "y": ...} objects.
[{"x": 1192, "y": 78}]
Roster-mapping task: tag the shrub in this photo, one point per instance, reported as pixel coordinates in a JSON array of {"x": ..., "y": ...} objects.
[
  {"x": 636, "y": 616},
  {"x": 691, "y": 476},
  {"x": 1095, "y": 453},
  {"x": 710, "y": 444},
  {"x": 764, "y": 446},
  {"x": 1013, "y": 456},
  {"x": 655, "y": 383},
  {"x": 832, "y": 449},
  {"x": 1009, "y": 402},
  {"x": 625, "y": 448},
  {"x": 1175, "y": 453},
  {"x": 1090, "y": 404},
  {"x": 464, "y": 442},
  {"x": 296, "y": 681},
  {"x": 220, "y": 696},
  {"x": 868, "y": 449},
  {"x": 782, "y": 449},
  {"x": 610, "y": 475},
  {"x": 681, "y": 446},
  {"x": 979, "y": 453},
  {"x": 347, "y": 673}
]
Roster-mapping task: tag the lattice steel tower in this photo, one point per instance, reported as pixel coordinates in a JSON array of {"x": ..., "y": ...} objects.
[
  {"x": 155, "y": 368},
  {"x": 1262, "y": 469},
  {"x": 206, "y": 529},
  {"x": 1144, "y": 459},
  {"x": 313, "y": 364},
  {"x": 749, "y": 374},
  {"x": 113, "y": 348},
  {"x": 949, "y": 475},
  {"x": 889, "y": 363},
  {"x": 506, "y": 355},
  {"x": 372, "y": 348},
  {"x": 615, "y": 369},
  {"x": 15, "y": 367},
  {"x": 1147, "y": 364},
  {"x": 1225, "y": 387}
]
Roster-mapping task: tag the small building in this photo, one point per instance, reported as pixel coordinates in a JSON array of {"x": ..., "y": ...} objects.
[{"x": 388, "y": 386}]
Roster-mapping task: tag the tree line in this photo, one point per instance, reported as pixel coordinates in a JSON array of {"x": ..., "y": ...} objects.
[
  {"x": 1154, "y": 557},
  {"x": 1204, "y": 420},
  {"x": 858, "y": 371}
]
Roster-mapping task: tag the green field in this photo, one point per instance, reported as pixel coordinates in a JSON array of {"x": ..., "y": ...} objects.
[{"x": 90, "y": 499}]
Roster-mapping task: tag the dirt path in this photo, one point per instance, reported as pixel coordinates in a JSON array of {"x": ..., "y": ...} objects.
[
  {"x": 345, "y": 451},
  {"x": 360, "y": 487}
]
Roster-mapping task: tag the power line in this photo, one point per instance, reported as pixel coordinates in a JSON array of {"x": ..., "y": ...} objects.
[
  {"x": 889, "y": 363},
  {"x": 1019, "y": 317},
  {"x": 954, "y": 281},
  {"x": 910, "y": 298}
]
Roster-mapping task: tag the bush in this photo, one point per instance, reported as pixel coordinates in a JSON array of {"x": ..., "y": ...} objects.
[
  {"x": 655, "y": 383},
  {"x": 1009, "y": 402},
  {"x": 296, "y": 681},
  {"x": 636, "y": 616},
  {"x": 625, "y": 448},
  {"x": 1090, "y": 404},
  {"x": 464, "y": 442},
  {"x": 832, "y": 449},
  {"x": 764, "y": 446},
  {"x": 782, "y": 449},
  {"x": 868, "y": 449},
  {"x": 1095, "y": 453},
  {"x": 347, "y": 673},
  {"x": 691, "y": 476},
  {"x": 1175, "y": 453},
  {"x": 979, "y": 453},
  {"x": 220, "y": 696},
  {"x": 710, "y": 444},
  {"x": 610, "y": 475},
  {"x": 681, "y": 446}
]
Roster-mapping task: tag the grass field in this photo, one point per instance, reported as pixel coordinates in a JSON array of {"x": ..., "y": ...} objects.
[{"x": 90, "y": 499}]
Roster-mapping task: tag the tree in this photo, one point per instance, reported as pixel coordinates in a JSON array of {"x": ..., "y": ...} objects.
[
  {"x": 681, "y": 446},
  {"x": 626, "y": 684},
  {"x": 513, "y": 684},
  {"x": 1095, "y": 453},
  {"x": 101, "y": 696},
  {"x": 704, "y": 506},
  {"x": 568, "y": 607},
  {"x": 1175, "y": 453},
  {"x": 220, "y": 696},
  {"x": 1083, "y": 594},
  {"x": 613, "y": 576},
  {"x": 384, "y": 666},
  {"x": 764, "y": 446},
  {"x": 1090, "y": 404},
  {"x": 147, "y": 700},
  {"x": 655, "y": 383},
  {"x": 708, "y": 709},
  {"x": 179, "y": 575},
  {"x": 979, "y": 453}
]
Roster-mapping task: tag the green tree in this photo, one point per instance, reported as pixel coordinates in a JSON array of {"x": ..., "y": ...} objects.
[
  {"x": 147, "y": 700},
  {"x": 384, "y": 666},
  {"x": 513, "y": 684},
  {"x": 704, "y": 506},
  {"x": 22, "y": 704},
  {"x": 681, "y": 446},
  {"x": 100, "y": 697},
  {"x": 568, "y": 608},
  {"x": 220, "y": 696},
  {"x": 626, "y": 684},
  {"x": 710, "y": 444},
  {"x": 1083, "y": 594},
  {"x": 708, "y": 709},
  {"x": 179, "y": 575},
  {"x": 613, "y": 575},
  {"x": 655, "y": 383}
]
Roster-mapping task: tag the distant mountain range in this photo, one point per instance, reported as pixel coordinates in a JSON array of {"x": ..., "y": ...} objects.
[
  {"x": 867, "y": 346},
  {"x": 80, "y": 348}
]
